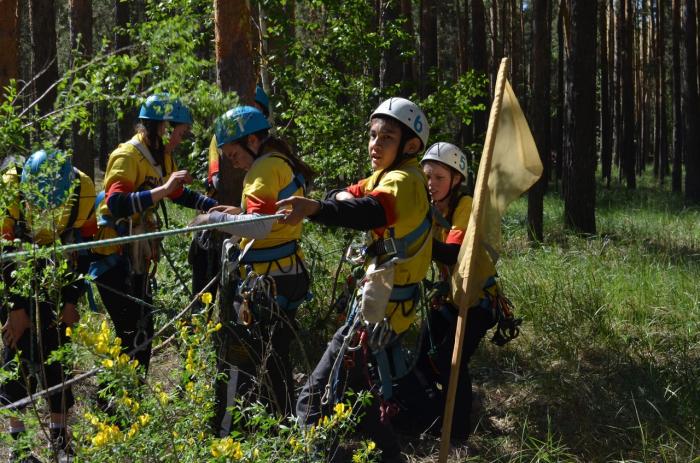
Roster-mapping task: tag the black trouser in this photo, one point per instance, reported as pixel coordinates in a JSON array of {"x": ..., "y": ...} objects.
[
  {"x": 309, "y": 408},
  {"x": 33, "y": 353},
  {"x": 255, "y": 359},
  {"x": 205, "y": 258},
  {"x": 133, "y": 322},
  {"x": 422, "y": 401}
]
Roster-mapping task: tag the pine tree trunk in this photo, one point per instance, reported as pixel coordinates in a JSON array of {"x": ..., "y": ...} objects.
[
  {"x": 678, "y": 123},
  {"x": 628, "y": 126},
  {"x": 559, "y": 121},
  {"x": 613, "y": 86},
  {"x": 692, "y": 112},
  {"x": 605, "y": 117},
  {"x": 662, "y": 134},
  {"x": 235, "y": 71},
  {"x": 410, "y": 74},
  {"x": 9, "y": 44},
  {"x": 540, "y": 118},
  {"x": 81, "y": 46},
  {"x": 479, "y": 61},
  {"x": 122, "y": 18},
  {"x": 644, "y": 100},
  {"x": 42, "y": 24},
  {"x": 579, "y": 152},
  {"x": 515, "y": 53},
  {"x": 390, "y": 67},
  {"x": 465, "y": 131},
  {"x": 464, "y": 31},
  {"x": 496, "y": 49},
  {"x": 655, "y": 60},
  {"x": 619, "y": 45},
  {"x": 428, "y": 44}
]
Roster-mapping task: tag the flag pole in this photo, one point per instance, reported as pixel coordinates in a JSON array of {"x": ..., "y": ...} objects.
[{"x": 467, "y": 258}]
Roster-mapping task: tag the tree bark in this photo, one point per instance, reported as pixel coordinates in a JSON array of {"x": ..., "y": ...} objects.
[
  {"x": 540, "y": 116},
  {"x": 42, "y": 24},
  {"x": 81, "y": 46},
  {"x": 692, "y": 112},
  {"x": 122, "y": 18},
  {"x": 479, "y": 61},
  {"x": 410, "y": 75},
  {"x": 390, "y": 66},
  {"x": 9, "y": 43},
  {"x": 559, "y": 121},
  {"x": 496, "y": 45},
  {"x": 619, "y": 45},
  {"x": 235, "y": 71},
  {"x": 645, "y": 97},
  {"x": 662, "y": 122},
  {"x": 428, "y": 44},
  {"x": 464, "y": 31},
  {"x": 678, "y": 123},
  {"x": 579, "y": 152},
  {"x": 605, "y": 116},
  {"x": 628, "y": 126}
]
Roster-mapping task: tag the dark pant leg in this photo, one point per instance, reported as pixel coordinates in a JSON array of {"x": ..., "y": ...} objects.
[
  {"x": 205, "y": 258},
  {"x": 258, "y": 356},
  {"x": 292, "y": 288},
  {"x": 132, "y": 321},
  {"x": 308, "y": 408},
  {"x": 33, "y": 355},
  {"x": 370, "y": 424},
  {"x": 479, "y": 321}
]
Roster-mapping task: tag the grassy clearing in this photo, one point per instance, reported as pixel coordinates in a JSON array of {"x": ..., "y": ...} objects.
[{"x": 606, "y": 368}]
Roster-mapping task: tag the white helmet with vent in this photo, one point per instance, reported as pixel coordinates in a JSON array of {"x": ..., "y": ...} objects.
[
  {"x": 448, "y": 154},
  {"x": 406, "y": 112}
]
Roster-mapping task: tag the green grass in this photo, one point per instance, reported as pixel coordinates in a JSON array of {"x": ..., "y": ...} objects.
[{"x": 606, "y": 367}]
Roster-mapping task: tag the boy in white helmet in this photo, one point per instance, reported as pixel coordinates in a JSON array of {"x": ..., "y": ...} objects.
[
  {"x": 393, "y": 205},
  {"x": 422, "y": 393}
]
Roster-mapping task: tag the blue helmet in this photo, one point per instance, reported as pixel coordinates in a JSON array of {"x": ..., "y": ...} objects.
[
  {"x": 163, "y": 107},
  {"x": 53, "y": 175},
  {"x": 239, "y": 122},
  {"x": 262, "y": 99}
]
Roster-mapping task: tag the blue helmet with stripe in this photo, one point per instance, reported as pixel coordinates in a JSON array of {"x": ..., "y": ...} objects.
[
  {"x": 52, "y": 173},
  {"x": 239, "y": 122},
  {"x": 163, "y": 107}
]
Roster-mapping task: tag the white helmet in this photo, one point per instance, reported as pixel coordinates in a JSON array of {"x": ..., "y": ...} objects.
[
  {"x": 448, "y": 154},
  {"x": 406, "y": 112}
]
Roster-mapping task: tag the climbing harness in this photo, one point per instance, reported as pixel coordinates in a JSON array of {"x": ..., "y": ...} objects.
[{"x": 508, "y": 326}]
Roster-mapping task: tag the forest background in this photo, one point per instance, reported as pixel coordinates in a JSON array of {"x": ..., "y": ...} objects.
[{"x": 601, "y": 259}]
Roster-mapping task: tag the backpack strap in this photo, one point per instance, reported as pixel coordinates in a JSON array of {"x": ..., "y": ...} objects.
[
  {"x": 146, "y": 154},
  {"x": 298, "y": 181}
]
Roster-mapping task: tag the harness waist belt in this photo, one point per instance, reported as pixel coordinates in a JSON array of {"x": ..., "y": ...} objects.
[
  {"x": 404, "y": 292},
  {"x": 254, "y": 256}
]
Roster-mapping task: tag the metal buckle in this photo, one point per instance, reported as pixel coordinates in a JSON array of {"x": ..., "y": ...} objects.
[{"x": 390, "y": 247}]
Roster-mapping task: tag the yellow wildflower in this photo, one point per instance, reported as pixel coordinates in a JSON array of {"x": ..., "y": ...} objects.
[
  {"x": 144, "y": 419},
  {"x": 69, "y": 331},
  {"x": 226, "y": 447},
  {"x": 107, "y": 363},
  {"x": 206, "y": 298}
]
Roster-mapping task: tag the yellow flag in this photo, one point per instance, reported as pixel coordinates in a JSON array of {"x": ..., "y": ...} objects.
[{"x": 515, "y": 166}]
